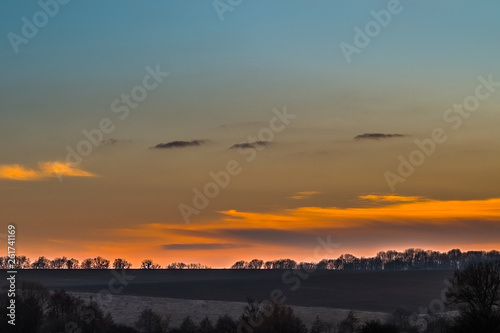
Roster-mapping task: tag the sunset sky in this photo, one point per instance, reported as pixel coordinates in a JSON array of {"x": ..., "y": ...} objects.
[{"x": 116, "y": 115}]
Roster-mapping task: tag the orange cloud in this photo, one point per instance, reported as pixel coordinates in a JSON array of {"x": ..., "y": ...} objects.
[
  {"x": 236, "y": 235},
  {"x": 46, "y": 170},
  {"x": 63, "y": 169},
  {"x": 303, "y": 194},
  {"x": 393, "y": 198},
  {"x": 18, "y": 172},
  {"x": 427, "y": 211}
]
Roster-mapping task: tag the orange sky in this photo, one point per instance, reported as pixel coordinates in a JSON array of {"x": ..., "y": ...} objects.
[
  {"x": 383, "y": 223},
  {"x": 110, "y": 131}
]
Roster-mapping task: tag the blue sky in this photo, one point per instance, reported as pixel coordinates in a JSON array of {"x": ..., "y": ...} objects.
[{"x": 225, "y": 78}]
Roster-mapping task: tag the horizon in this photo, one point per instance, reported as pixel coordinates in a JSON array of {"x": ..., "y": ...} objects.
[
  {"x": 202, "y": 134},
  {"x": 246, "y": 260}
]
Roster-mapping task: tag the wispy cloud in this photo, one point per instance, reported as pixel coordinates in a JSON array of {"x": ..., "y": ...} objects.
[
  {"x": 46, "y": 170},
  {"x": 113, "y": 142},
  {"x": 247, "y": 145},
  {"x": 393, "y": 224},
  {"x": 18, "y": 172},
  {"x": 428, "y": 211},
  {"x": 390, "y": 198},
  {"x": 203, "y": 246},
  {"x": 377, "y": 136},
  {"x": 303, "y": 194},
  {"x": 179, "y": 144}
]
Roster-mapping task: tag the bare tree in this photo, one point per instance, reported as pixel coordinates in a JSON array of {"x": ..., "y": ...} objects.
[
  {"x": 177, "y": 265},
  {"x": 152, "y": 322},
  {"x": 349, "y": 324},
  {"x": 41, "y": 263},
  {"x": 87, "y": 263},
  {"x": 476, "y": 290},
  {"x": 72, "y": 263},
  {"x": 58, "y": 263},
  {"x": 255, "y": 264},
  {"x": 240, "y": 265},
  {"x": 31, "y": 300},
  {"x": 101, "y": 263},
  {"x": 121, "y": 264},
  {"x": 149, "y": 264}
]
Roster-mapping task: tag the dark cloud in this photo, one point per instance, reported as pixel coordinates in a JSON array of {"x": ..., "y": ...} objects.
[
  {"x": 201, "y": 246},
  {"x": 179, "y": 144},
  {"x": 246, "y": 145},
  {"x": 113, "y": 142},
  {"x": 377, "y": 136}
]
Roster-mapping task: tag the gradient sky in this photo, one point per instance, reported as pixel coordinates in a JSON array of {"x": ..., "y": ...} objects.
[{"x": 225, "y": 79}]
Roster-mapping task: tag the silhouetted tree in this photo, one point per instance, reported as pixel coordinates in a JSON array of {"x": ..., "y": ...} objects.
[
  {"x": 240, "y": 265},
  {"x": 307, "y": 266},
  {"x": 284, "y": 264},
  {"x": 87, "y": 263},
  {"x": 31, "y": 298},
  {"x": 149, "y": 264},
  {"x": 348, "y": 325},
  {"x": 255, "y": 264},
  {"x": 206, "y": 326},
  {"x": 121, "y": 264},
  {"x": 41, "y": 263},
  {"x": 225, "y": 324},
  {"x": 100, "y": 263},
  {"x": 62, "y": 311},
  {"x": 72, "y": 263},
  {"x": 197, "y": 266},
  {"x": 177, "y": 265},
  {"x": 476, "y": 290},
  {"x": 267, "y": 317},
  {"x": 58, "y": 263},
  {"x": 188, "y": 326},
  {"x": 152, "y": 322}
]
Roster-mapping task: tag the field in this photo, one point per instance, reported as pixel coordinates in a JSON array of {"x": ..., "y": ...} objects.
[{"x": 199, "y": 293}]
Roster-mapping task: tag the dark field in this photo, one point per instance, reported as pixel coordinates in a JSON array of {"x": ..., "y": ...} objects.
[{"x": 358, "y": 290}]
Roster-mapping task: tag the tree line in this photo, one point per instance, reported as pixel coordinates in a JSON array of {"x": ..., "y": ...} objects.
[
  {"x": 409, "y": 259},
  {"x": 22, "y": 262},
  {"x": 474, "y": 290}
]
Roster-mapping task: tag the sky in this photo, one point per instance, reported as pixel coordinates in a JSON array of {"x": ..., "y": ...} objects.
[{"x": 216, "y": 131}]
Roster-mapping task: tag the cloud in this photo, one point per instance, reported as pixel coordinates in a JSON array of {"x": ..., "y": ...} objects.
[
  {"x": 113, "y": 142},
  {"x": 18, "y": 172},
  {"x": 62, "y": 169},
  {"x": 428, "y": 211},
  {"x": 46, "y": 170},
  {"x": 397, "y": 222},
  {"x": 247, "y": 145},
  {"x": 377, "y": 136},
  {"x": 303, "y": 194},
  {"x": 389, "y": 198},
  {"x": 179, "y": 144},
  {"x": 203, "y": 246}
]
